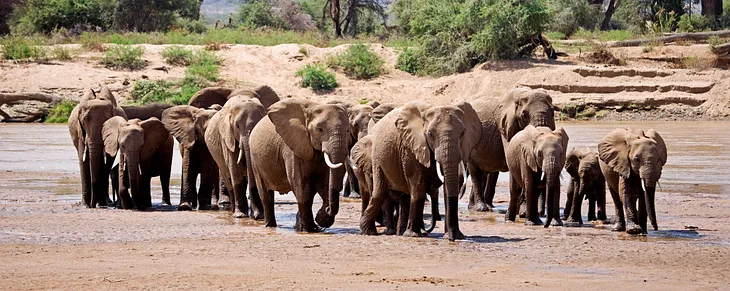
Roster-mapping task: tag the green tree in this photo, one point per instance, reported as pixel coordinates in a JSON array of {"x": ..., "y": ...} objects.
[{"x": 152, "y": 15}]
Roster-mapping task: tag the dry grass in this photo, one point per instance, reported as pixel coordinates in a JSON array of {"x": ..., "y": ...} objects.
[{"x": 600, "y": 54}]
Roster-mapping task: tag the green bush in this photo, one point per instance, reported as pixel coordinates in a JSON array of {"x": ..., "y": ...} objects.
[
  {"x": 21, "y": 49},
  {"x": 410, "y": 61},
  {"x": 46, "y": 15},
  {"x": 258, "y": 13},
  {"x": 92, "y": 41},
  {"x": 567, "y": 16},
  {"x": 177, "y": 55},
  {"x": 60, "y": 112},
  {"x": 124, "y": 57},
  {"x": 359, "y": 62},
  {"x": 192, "y": 26},
  {"x": 62, "y": 53},
  {"x": 146, "y": 91},
  {"x": 317, "y": 77},
  {"x": 693, "y": 23}
]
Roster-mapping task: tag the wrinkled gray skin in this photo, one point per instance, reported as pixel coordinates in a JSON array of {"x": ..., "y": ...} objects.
[
  {"x": 500, "y": 120},
  {"x": 361, "y": 154},
  {"x": 187, "y": 124},
  {"x": 227, "y": 137},
  {"x": 410, "y": 143},
  {"x": 532, "y": 152},
  {"x": 586, "y": 180},
  {"x": 85, "y": 125},
  {"x": 290, "y": 148},
  {"x": 632, "y": 162},
  {"x": 145, "y": 151},
  {"x": 144, "y": 112},
  {"x": 386, "y": 215}
]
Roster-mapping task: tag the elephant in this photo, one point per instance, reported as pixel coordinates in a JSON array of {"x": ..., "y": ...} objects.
[
  {"x": 586, "y": 180},
  {"x": 410, "y": 144},
  {"x": 187, "y": 124},
  {"x": 145, "y": 151},
  {"x": 379, "y": 112},
  {"x": 500, "y": 120},
  {"x": 632, "y": 162},
  {"x": 361, "y": 154},
  {"x": 532, "y": 152},
  {"x": 227, "y": 137},
  {"x": 300, "y": 146},
  {"x": 85, "y": 126},
  {"x": 146, "y": 111}
]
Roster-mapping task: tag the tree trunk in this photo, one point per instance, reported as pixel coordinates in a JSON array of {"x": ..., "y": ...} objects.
[
  {"x": 712, "y": 8},
  {"x": 335, "y": 15},
  {"x": 612, "y": 5}
]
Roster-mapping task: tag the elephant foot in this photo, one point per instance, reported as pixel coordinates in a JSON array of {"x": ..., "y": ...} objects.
[
  {"x": 523, "y": 211},
  {"x": 257, "y": 215},
  {"x": 574, "y": 220},
  {"x": 166, "y": 202},
  {"x": 480, "y": 207},
  {"x": 367, "y": 228},
  {"x": 225, "y": 205},
  {"x": 323, "y": 219},
  {"x": 354, "y": 195},
  {"x": 271, "y": 223},
  {"x": 185, "y": 206},
  {"x": 592, "y": 217},
  {"x": 507, "y": 217},
  {"x": 214, "y": 207},
  {"x": 619, "y": 227},
  {"x": 411, "y": 233},
  {"x": 204, "y": 207},
  {"x": 633, "y": 229},
  {"x": 602, "y": 216},
  {"x": 308, "y": 227},
  {"x": 557, "y": 222},
  {"x": 534, "y": 222},
  {"x": 390, "y": 231},
  {"x": 452, "y": 235},
  {"x": 541, "y": 213},
  {"x": 239, "y": 214}
]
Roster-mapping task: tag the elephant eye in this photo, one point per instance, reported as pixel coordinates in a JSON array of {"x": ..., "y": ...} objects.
[
  {"x": 430, "y": 133},
  {"x": 319, "y": 129}
]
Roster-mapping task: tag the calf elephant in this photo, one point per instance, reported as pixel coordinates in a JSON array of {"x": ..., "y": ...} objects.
[
  {"x": 300, "y": 147},
  {"x": 586, "y": 180},
  {"x": 145, "y": 151},
  {"x": 187, "y": 124},
  {"x": 227, "y": 137},
  {"x": 410, "y": 145},
  {"x": 85, "y": 126},
  {"x": 500, "y": 120},
  {"x": 532, "y": 152},
  {"x": 632, "y": 162}
]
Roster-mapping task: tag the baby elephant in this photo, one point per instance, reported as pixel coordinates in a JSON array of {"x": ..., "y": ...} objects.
[
  {"x": 586, "y": 180},
  {"x": 532, "y": 152},
  {"x": 144, "y": 149}
]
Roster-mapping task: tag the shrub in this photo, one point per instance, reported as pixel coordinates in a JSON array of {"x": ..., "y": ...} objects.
[
  {"x": 46, "y": 15},
  {"x": 92, "y": 41},
  {"x": 124, "y": 57},
  {"x": 21, "y": 49},
  {"x": 569, "y": 15},
  {"x": 258, "y": 13},
  {"x": 359, "y": 62},
  {"x": 317, "y": 77},
  {"x": 410, "y": 61},
  {"x": 206, "y": 71},
  {"x": 600, "y": 54},
  {"x": 60, "y": 112},
  {"x": 693, "y": 23},
  {"x": 62, "y": 53},
  {"x": 160, "y": 91},
  {"x": 177, "y": 55},
  {"x": 192, "y": 26}
]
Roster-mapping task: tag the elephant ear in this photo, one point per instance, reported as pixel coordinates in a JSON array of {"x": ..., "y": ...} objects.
[
  {"x": 180, "y": 121},
  {"x": 206, "y": 97},
  {"x": 614, "y": 151},
  {"x": 411, "y": 128},
  {"x": 473, "y": 127},
  {"x": 652, "y": 134},
  {"x": 225, "y": 126},
  {"x": 88, "y": 95},
  {"x": 290, "y": 121},
  {"x": 361, "y": 151},
  {"x": 110, "y": 134},
  {"x": 267, "y": 96},
  {"x": 528, "y": 146},
  {"x": 155, "y": 135},
  {"x": 573, "y": 162},
  {"x": 106, "y": 94},
  {"x": 563, "y": 138}
]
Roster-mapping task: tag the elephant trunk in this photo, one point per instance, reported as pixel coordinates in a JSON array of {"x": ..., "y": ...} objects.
[
  {"x": 552, "y": 189},
  {"x": 256, "y": 205},
  {"x": 448, "y": 156},
  {"x": 649, "y": 192},
  {"x": 543, "y": 119},
  {"x": 99, "y": 175},
  {"x": 134, "y": 171},
  {"x": 335, "y": 153},
  {"x": 435, "y": 216}
]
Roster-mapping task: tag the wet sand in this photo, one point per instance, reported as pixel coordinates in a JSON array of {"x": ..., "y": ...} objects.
[{"x": 48, "y": 241}]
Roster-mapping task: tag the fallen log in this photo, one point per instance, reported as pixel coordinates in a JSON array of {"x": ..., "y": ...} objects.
[
  {"x": 28, "y": 116},
  {"x": 695, "y": 36},
  {"x": 722, "y": 49}
]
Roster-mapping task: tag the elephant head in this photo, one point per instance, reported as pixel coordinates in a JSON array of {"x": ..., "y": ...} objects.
[
  {"x": 85, "y": 125},
  {"x": 187, "y": 124},
  {"x": 207, "y": 97},
  {"x": 524, "y": 106},
  {"x": 135, "y": 142},
  {"x": 546, "y": 152},
  {"x": 309, "y": 128},
  {"x": 635, "y": 153},
  {"x": 359, "y": 117},
  {"x": 448, "y": 133},
  {"x": 379, "y": 112},
  {"x": 584, "y": 167}
]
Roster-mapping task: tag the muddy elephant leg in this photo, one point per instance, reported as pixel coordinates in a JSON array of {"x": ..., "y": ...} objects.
[
  {"x": 642, "y": 213},
  {"x": 305, "y": 199},
  {"x": 125, "y": 200},
  {"x": 567, "y": 212},
  {"x": 592, "y": 207},
  {"x": 224, "y": 196},
  {"x": 209, "y": 178},
  {"x": 415, "y": 220},
  {"x": 632, "y": 219},
  {"x": 620, "y": 218},
  {"x": 576, "y": 204},
  {"x": 239, "y": 202},
  {"x": 404, "y": 201},
  {"x": 531, "y": 196},
  {"x": 85, "y": 179},
  {"x": 389, "y": 220},
  {"x": 188, "y": 190},
  {"x": 165, "y": 183},
  {"x": 514, "y": 200},
  {"x": 600, "y": 195},
  {"x": 478, "y": 185},
  {"x": 267, "y": 199},
  {"x": 491, "y": 188},
  {"x": 379, "y": 194}
]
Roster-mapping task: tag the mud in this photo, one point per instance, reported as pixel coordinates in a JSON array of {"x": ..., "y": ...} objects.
[{"x": 49, "y": 241}]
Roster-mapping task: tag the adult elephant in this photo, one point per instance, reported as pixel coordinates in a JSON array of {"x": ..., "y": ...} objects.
[
  {"x": 632, "y": 162},
  {"x": 187, "y": 124},
  {"x": 145, "y": 151},
  {"x": 144, "y": 112},
  {"x": 300, "y": 147},
  {"x": 227, "y": 137},
  {"x": 410, "y": 144},
  {"x": 500, "y": 120},
  {"x": 85, "y": 126},
  {"x": 586, "y": 180},
  {"x": 535, "y": 151}
]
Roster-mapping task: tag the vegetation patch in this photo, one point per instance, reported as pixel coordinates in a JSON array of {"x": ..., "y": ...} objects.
[
  {"x": 62, "y": 53},
  {"x": 124, "y": 57},
  {"x": 317, "y": 77},
  {"x": 411, "y": 61},
  {"x": 22, "y": 49},
  {"x": 600, "y": 54},
  {"x": 177, "y": 55},
  {"x": 160, "y": 91},
  {"x": 60, "y": 112},
  {"x": 358, "y": 62}
]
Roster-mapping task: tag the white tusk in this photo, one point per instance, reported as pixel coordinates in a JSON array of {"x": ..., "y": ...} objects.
[
  {"x": 544, "y": 177},
  {"x": 438, "y": 172},
  {"x": 352, "y": 164},
  {"x": 643, "y": 187},
  {"x": 463, "y": 170},
  {"x": 116, "y": 158},
  {"x": 240, "y": 155},
  {"x": 329, "y": 162},
  {"x": 140, "y": 169},
  {"x": 86, "y": 151}
]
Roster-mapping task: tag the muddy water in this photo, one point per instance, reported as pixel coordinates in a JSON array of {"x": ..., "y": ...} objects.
[{"x": 699, "y": 154}]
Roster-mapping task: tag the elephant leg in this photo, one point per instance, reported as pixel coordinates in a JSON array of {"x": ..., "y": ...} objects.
[
  {"x": 379, "y": 194},
  {"x": 531, "y": 195},
  {"x": 642, "y": 213},
  {"x": 478, "y": 184},
  {"x": 85, "y": 179},
  {"x": 125, "y": 199},
  {"x": 632, "y": 219},
  {"x": 268, "y": 203},
  {"x": 389, "y": 220},
  {"x": 592, "y": 207},
  {"x": 577, "y": 202},
  {"x": 114, "y": 177},
  {"x": 620, "y": 220},
  {"x": 224, "y": 196},
  {"x": 491, "y": 188},
  {"x": 304, "y": 213},
  {"x": 514, "y": 200},
  {"x": 415, "y": 220},
  {"x": 541, "y": 201},
  {"x": 567, "y": 212},
  {"x": 187, "y": 188},
  {"x": 239, "y": 202},
  {"x": 600, "y": 195},
  {"x": 257, "y": 211},
  {"x": 165, "y": 183},
  {"x": 209, "y": 178},
  {"x": 404, "y": 202}
]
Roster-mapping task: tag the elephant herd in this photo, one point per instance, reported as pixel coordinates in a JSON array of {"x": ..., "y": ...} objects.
[{"x": 247, "y": 144}]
